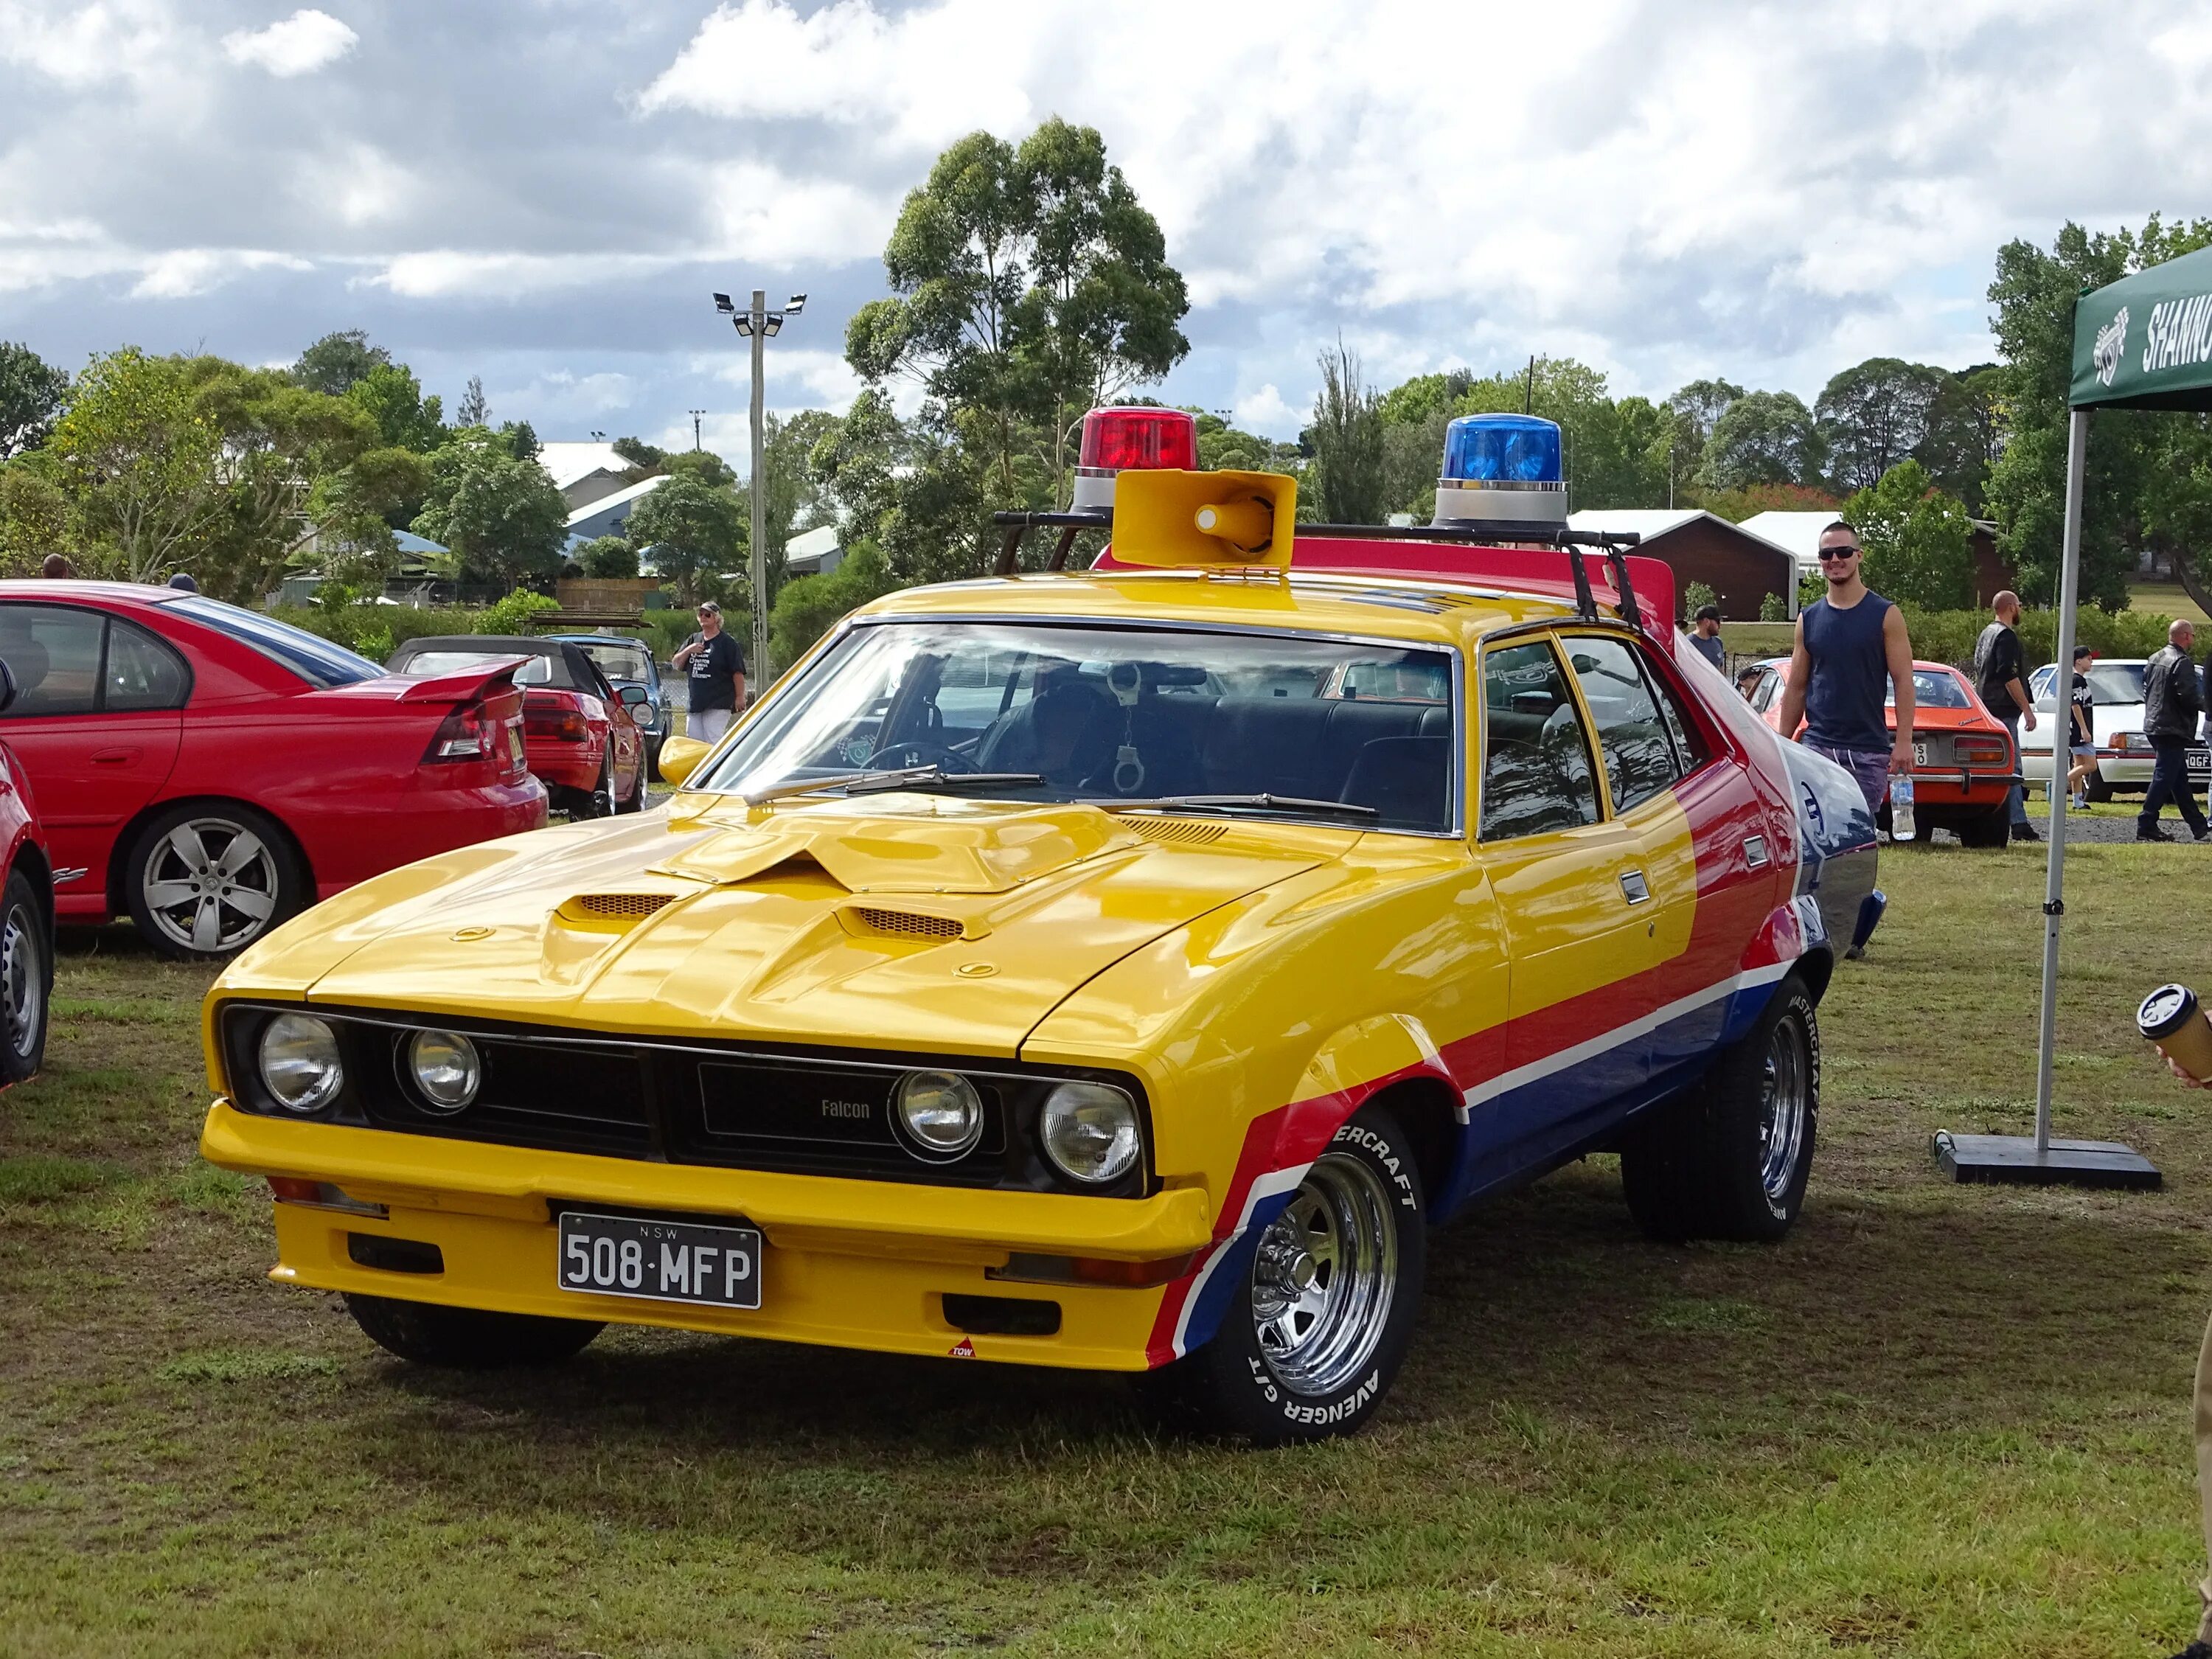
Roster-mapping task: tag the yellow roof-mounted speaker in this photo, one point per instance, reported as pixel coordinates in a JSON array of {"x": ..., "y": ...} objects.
[{"x": 1216, "y": 521}]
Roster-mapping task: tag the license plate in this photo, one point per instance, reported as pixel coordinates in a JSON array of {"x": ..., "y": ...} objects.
[
  {"x": 515, "y": 751},
  {"x": 1920, "y": 754},
  {"x": 2200, "y": 760},
  {"x": 660, "y": 1260}
]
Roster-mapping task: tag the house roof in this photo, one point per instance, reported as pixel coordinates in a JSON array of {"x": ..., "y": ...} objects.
[
  {"x": 811, "y": 543},
  {"x": 621, "y": 497},
  {"x": 1653, "y": 522},
  {"x": 1798, "y": 531},
  {"x": 570, "y": 463}
]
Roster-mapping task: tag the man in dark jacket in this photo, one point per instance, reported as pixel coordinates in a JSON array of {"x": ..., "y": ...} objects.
[
  {"x": 2001, "y": 677},
  {"x": 2173, "y": 705}
]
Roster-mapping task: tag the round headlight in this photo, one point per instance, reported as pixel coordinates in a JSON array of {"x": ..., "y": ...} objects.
[
  {"x": 1089, "y": 1131},
  {"x": 300, "y": 1062},
  {"x": 941, "y": 1114},
  {"x": 446, "y": 1067}
]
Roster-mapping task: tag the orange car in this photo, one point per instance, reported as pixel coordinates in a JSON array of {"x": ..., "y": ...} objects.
[{"x": 1963, "y": 761}]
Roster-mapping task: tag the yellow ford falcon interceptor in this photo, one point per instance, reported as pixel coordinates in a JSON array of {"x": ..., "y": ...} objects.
[{"x": 1120, "y": 969}]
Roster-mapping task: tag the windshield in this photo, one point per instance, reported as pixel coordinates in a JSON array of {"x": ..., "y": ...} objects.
[
  {"x": 2109, "y": 682},
  {"x": 535, "y": 671},
  {"x": 1116, "y": 714},
  {"x": 618, "y": 659},
  {"x": 1933, "y": 689},
  {"x": 310, "y": 656}
]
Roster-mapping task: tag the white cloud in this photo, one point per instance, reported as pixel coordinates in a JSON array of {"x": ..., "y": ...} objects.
[
  {"x": 1265, "y": 411},
  {"x": 759, "y": 215},
  {"x": 180, "y": 273},
  {"x": 446, "y": 273},
  {"x": 83, "y": 45},
  {"x": 298, "y": 44}
]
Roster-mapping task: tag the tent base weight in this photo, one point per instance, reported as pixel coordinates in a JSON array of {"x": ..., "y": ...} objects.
[{"x": 2011, "y": 1160}]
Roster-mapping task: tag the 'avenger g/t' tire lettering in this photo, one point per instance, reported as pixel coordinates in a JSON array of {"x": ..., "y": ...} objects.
[
  {"x": 1729, "y": 1157},
  {"x": 1319, "y": 1324}
]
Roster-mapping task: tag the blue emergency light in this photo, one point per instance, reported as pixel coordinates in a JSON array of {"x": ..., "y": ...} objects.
[
  {"x": 1502, "y": 471},
  {"x": 1487, "y": 449}
]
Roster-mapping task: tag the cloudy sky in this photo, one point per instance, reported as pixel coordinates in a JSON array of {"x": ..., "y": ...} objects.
[{"x": 545, "y": 193}]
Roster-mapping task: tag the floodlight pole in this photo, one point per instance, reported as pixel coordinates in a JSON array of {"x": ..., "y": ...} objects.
[
  {"x": 757, "y": 560},
  {"x": 2062, "y": 710}
]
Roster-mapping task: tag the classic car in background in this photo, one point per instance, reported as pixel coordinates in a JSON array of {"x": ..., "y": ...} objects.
[
  {"x": 1119, "y": 970},
  {"x": 2123, "y": 753},
  {"x": 629, "y": 668},
  {"x": 1962, "y": 758},
  {"x": 209, "y": 770}
]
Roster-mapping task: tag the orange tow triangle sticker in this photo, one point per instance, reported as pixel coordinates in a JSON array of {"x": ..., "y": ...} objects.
[{"x": 963, "y": 1349}]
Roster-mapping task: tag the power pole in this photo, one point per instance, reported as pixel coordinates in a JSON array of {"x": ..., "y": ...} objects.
[
  {"x": 756, "y": 323},
  {"x": 758, "y": 562},
  {"x": 695, "y": 415}
]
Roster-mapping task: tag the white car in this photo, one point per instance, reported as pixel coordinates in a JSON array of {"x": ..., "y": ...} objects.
[{"x": 2124, "y": 754}]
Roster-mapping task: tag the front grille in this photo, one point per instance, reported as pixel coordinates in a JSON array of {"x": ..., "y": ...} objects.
[
  {"x": 809, "y": 1111},
  {"x": 906, "y": 923}
]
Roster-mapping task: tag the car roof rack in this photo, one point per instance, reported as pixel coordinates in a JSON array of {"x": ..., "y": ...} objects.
[{"x": 1014, "y": 528}]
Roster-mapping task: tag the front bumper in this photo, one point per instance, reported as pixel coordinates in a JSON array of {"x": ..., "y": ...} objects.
[{"x": 846, "y": 1263}]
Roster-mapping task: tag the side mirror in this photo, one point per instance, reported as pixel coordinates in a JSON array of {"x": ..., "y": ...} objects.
[
  {"x": 637, "y": 696},
  {"x": 7, "y": 686},
  {"x": 680, "y": 758}
]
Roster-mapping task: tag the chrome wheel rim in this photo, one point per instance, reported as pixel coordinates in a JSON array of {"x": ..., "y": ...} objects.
[
  {"x": 211, "y": 884},
  {"x": 1324, "y": 1276},
  {"x": 1784, "y": 1105},
  {"x": 22, "y": 980}
]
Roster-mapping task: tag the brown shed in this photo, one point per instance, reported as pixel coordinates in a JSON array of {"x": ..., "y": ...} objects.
[{"x": 1740, "y": 567}]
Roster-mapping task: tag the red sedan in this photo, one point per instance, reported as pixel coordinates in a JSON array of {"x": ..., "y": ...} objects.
[
  {"x": 27, "y": 917},
  {"x": 209, "y": 771},
  {"x": 582, "y": 743},
  {"x": 1963, "y": 760}
]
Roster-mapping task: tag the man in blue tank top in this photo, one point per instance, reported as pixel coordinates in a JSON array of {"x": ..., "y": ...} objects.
[{"x": 1850, "y": 650}]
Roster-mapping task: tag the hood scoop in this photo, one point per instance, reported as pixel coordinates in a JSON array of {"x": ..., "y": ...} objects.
[{"x": 590, "y": 909}]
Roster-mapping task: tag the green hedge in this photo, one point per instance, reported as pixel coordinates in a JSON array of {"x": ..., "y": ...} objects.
[
  {"x": 1949, "y": 635},
  {"x": 375, "y": 629}
]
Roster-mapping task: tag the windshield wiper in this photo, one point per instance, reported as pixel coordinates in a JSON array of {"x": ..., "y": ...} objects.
[
  {"x": 906, "y": 777},
  {"x": 936, "y": 777},
  {"x": 1217, "y": 803}
]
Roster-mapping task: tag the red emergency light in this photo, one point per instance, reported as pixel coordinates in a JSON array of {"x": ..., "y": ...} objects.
[{"x": 1121, "y": 439}]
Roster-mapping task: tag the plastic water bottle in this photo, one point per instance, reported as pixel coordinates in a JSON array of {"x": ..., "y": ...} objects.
[{"x": 1900, "y": 808}]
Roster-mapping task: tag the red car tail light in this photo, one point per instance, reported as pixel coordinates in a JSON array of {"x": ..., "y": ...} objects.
[
  {"x": 1981, "y": 752},
  {"x": 562, "y": 725},
  {"x": 464, "y": 735}
]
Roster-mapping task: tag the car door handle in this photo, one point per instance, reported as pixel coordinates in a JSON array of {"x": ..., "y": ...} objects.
[
  {"x": 1633, "y": 887},
  {"x": 113, "y": 756}
]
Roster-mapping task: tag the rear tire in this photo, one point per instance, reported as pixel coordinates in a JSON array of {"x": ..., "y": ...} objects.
[
  {"x": 204, "y": 881},
  {"x": 2098, "y": 790},
  {"x": 1315, "y": 1332},
  {"x": 27, "y": 980},
  {"x": 635, "y": 803},
  {"x": 1989, "y": 828},
  {"x": 1729, "y": 1157},
  {"x": 468, "y": 1339}
]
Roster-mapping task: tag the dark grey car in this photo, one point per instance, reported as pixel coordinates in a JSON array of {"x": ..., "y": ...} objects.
[{"x": 629, "y": 668}]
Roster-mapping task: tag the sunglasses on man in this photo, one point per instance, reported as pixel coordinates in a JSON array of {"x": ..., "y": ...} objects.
[{"x": 1830, "y": 553}]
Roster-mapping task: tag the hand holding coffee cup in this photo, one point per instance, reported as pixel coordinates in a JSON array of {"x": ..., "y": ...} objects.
[{"x": 2171, "y": 1019}]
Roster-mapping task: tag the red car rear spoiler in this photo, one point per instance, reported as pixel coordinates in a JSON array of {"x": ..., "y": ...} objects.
[{"x": 463, "y": 683}]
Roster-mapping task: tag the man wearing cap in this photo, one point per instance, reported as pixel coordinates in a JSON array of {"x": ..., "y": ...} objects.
[
  {"x": 2001, "y": 677},
  {"x": 2173, "y": 704},
  {"x": 717, "y": 676},
  {"x": 1851, "y": 649},
  {"x": 1705, "y": 635}
]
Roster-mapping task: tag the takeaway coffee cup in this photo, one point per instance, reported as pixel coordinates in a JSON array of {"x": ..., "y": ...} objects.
[{"x": 2170, "y": 1017}]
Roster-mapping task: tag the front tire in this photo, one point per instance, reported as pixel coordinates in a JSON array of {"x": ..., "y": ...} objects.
[
  {"x": 27, "y": 980},
  {"x": 468, "y": 1339},
  {"x": 205, "y": 881},
  {"x": 1317, "y": 1328},
  {"x": 1729, "y": 1157}
]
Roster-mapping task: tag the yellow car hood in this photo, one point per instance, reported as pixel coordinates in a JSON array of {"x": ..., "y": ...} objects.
[{"x": 896, "y": 921}]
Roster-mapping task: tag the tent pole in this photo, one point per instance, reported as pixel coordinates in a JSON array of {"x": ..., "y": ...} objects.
[{"x": 2061, "y": 683}]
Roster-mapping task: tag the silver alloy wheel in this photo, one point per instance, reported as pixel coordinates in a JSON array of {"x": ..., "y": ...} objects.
[
  {"x": 211, "y": 884},
  {"x": 22, "y": 979},
  {"x": 1324, "y": 1277},
  {"x": 1783, "y": 1107}
]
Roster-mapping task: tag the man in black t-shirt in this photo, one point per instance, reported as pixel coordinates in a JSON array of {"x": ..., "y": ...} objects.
[
  {"x": 2081, "y": 730},
  {"x": 717, "y": 676},
  {"x": 2001, "y": 677}
]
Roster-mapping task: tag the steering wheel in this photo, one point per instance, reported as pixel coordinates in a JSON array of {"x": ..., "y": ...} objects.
[{"x": 912, "y": 752}]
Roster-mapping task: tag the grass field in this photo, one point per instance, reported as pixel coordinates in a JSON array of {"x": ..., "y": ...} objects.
[{"x": 1937, "y": 1422}]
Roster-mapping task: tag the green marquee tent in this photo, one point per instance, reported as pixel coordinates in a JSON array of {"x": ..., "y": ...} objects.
[{"x": 2144, "y": 341}]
